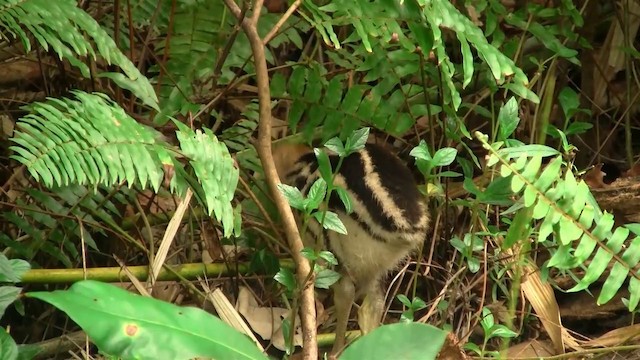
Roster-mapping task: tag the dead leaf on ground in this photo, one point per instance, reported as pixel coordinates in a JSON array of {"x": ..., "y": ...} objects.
[
  {"x": 595, "y": 177},
  {"x": 266, "y": 321},
  {"x": 451, "y": 349},
  {"x": 624, "y": 335},
  {"x": 530, "y": 349}
]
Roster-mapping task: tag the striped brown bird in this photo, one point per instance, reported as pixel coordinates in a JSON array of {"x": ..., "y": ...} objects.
[{"x": 389, "y": 221}]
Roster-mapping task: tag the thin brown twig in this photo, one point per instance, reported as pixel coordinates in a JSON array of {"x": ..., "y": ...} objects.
[
  {"x": 261, "y": 208},
  {"x": 436, "y": 301},
  {"x": 263, "y": 147},
  {"x": 273, "y": 32},
  {"x": 257, "y": 9}
]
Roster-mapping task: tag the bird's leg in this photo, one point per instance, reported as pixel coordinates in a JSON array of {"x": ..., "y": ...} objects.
[
  {"x": 344, "y": 295},
  {"x": 370, "y": 312}
]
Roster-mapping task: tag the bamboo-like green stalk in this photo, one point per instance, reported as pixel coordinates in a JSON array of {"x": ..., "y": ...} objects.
[{"x": 116, "y": 274}]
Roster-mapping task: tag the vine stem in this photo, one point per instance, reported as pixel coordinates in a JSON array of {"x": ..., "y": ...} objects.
[
  {"x": 307, "y": 309},
  {"x": 273, "y": 32}
]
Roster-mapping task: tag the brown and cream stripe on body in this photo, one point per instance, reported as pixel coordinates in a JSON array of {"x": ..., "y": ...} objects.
[{"x": 389, "y": 220}]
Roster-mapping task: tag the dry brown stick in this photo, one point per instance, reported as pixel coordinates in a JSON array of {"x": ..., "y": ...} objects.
[
  {"x": 263, "y": 147},
  {"x": 257, "y": 9},
  {"x": 273, "y": 32}
]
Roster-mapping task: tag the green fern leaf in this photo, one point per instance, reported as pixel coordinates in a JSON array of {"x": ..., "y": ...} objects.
[
  {"x": 332, "y": 111},
  {"x": 62, "y": 25},
  {"x": 568, "y": 212},
  {"x": 215, "y": 170},
  {"x": 89, "y": 139}
]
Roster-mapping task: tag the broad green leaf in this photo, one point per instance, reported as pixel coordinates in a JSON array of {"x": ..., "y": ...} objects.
[
  {"x": 578, "y": 127},
  {"x": 286, "y": 278},
  {"x": 421, "y": 151},
  {"x": 328, "y": 257},
  {"x": 146, "y": 328},
  {"x": 335, "y": 145},
  {"x": 501, "y": 331},
  {"x": 324, "y": 165},
  {"x": 345, "y": 198},
  {"x": 487, "y": 320},
  {"x": 404, "y": 300},
  {"x": 330, "y": 221},
  {"x": 444, "y": 156},
  {"x": 508, "y": 119},
  {"x": 309, "y": 254},
  {"x": 8, "y": 347},
  {"x": 473, "y": 264},
  {"x": 316, "y": 195},
  {"x": 547, "y": 38},
  {"x": 398, "y": 341},
  {"x": 11, "y": 270},
  {"x": 325, "y": 278},
  {"x": 357, "y": 140},
  {"x": 449, "y": 174},
  {"x": 520, "y": 228},
  {"x": 29, "y": 351},
  {"x": 418, "y": 304},
  {"x": 475, "y": 348},
  {"x": 8, "y": 294},
  {"x": 569, "y": 101},
  {"x": 293, "y": 195}
]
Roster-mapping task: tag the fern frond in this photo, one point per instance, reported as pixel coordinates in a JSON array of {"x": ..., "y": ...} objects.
[
  {"x": 62, "y": 25},
  {"x": 151, "y": 14},
  {"x": 424, "y": 19},
  {"x": 91, "y": 140},
  {"x": 568, "y": 211},
  {"x": 328, "y": 105},
  {"x": 87, "y": 140},
  {"x": 73, "y": 205},
  {"x": 238, "y": 136},
  {"x": 215, "y": 170},
  {"x": 190, "y": 48}
]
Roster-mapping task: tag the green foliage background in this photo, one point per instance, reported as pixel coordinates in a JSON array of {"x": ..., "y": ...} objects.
[{"x": 146, "y": 77}]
